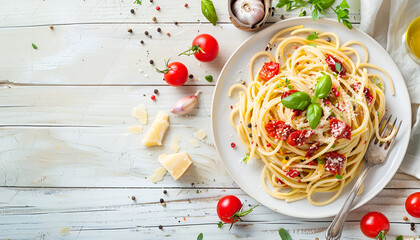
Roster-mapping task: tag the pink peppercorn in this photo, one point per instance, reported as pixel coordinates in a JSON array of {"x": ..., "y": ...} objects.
[
  {"x": 233, "y": 145},
  {"x": 186, "y": 5},
  {"x": 268, "y": 145},
  {"x": 157, "y": 8},
  {"x": 153, "y": 97}
]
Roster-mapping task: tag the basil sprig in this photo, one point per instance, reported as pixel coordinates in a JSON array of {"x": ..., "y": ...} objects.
[
  {"x": 297, "y": 100},
  {"x": 302, "y": 100},
  {"x": 208, "y": 10}
]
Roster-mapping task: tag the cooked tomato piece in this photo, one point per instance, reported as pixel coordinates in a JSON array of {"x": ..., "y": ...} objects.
[
  {"x": 356, "y": 86},
  {"x": 278, "y": 129},
  {"x": 269, "y": 70},
  {"x": 299, "y": 137},
  {"x": 340, "y": 129},
  {"x": 332, "y": 64},
  {"x": 296, "y": 113},
  {"x": 312, "y": 149},
  {"x": 368, "y": 95},
  {"x": 292, "y": 173},
  {"x": 285, "y": 94},
  {"x": 334, "y": 162}
]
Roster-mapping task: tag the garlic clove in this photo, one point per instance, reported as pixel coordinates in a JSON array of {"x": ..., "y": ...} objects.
[
  {"x": 248, "y": 11},
  {"x": 186, "y": 104},
  {"x": 249, "y": 27}
]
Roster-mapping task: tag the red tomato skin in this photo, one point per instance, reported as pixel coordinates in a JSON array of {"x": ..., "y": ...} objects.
[
  {"x": 178, "y": 74},
  {"x": 412, "y": 205},
  {"x": 374, "y": 222},
  {"x": 269, "y": 70},
  {"x": 299, "y": 137},
  {"x": 278, "y": 129},
  {"x": 227, "y": 206},
  {"x": 331, "y": 61},
  {"x": 209, "y": 45},
  {"x": 288, "y": 93}
]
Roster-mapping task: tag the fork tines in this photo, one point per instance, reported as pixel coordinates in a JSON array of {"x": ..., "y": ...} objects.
[{"x": 386, "y": 129}]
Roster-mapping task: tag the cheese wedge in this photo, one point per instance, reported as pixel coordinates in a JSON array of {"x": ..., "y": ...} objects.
[
  {"x": 140, "y": 113},
  {"x": 154, "y": 135},
  {"x": 176, "y": 163}
]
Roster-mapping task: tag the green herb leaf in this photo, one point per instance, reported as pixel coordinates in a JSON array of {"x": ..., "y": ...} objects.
[
  {"x": 302, "y": 13},
  {"x": 209, "y": 78},
  {"x": 338, "y": 176},
  {"x": 399, "y": 237},
  {"x": 338, "y": 67},
  {"x": 313, "y": 45},
  {"x": 138, "y": 2},
  {"x": 323, "y": 86},
  {"x": 34, "y": 46},
  {"x": 245, "y": 159},
  {"x": 287, "y": 81},
  {"x": 333, "y": 146},
  {"x": 342, "y": 13},
  {"x": 312, "y": 36},
  {"x": 344, "y": 4},
  {"x": 200, "y": 236},
  {"x": 284, "y": 234},
  {"x": 208, "y": 10},
  {"x": 289, "y": 86},
  {"x": 320, "y": 161},
  {"x": 297, "y": 100},
  {"x": 282, "y": 3},
  {"x": 333, "y": 114},
  {"x": 325, "y": 4},
  {"x": 315, "y": 15},
  {"x": 314, "y": 114},
  {"x": 220, "y": 224}
]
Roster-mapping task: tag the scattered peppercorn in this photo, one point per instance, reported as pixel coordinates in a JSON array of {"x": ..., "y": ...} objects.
[
  {"x": 186, "y": 5},
  {"x": 412, "y": 228},
  {"x": 130, "y": 30},
  {"x": 160, "y": 226},
  {"x": 233, "y": 145},
  {"x": 249, "y": 125},
  {"x": 243, "y": 82},
  {"x": 328, "y": 39},
  {"x": 268, "y": 145},
  {"x": 168, "y": 34},
  {"x": 157, "y": 8},
  {"x": 190, "y": 76},
  {"x": 161, "y": 200},
  {"x": 165, "y": 192},
  {"x": 159, "y": 30},
  {"x": 176, "y": 23},
  {"x": 133, "y": 198},
  {"x": 282, "y": 17},
  {"x": 151, "y": 1},
  {"x": 405, "y": 218},
  {"x": 153, "y": 97},
  {"x": 412, "y": 224},
  {"x": 151, "y": 62},
  {"x": 146, "y": 33},
  {"x": 154, "y": 19},
  {"x": 250, "y": 135},
  {"x": 51, "y": 27},
  {"x": 132, "y": 11},
  {"x": 287, "y": 158},
  {"x": 156, "y": 91},
  {"x": 141, "y": 41},
  {"x": 272, "y": 13}
]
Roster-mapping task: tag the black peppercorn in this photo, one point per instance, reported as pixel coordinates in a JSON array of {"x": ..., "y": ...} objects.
[
  {"x": 250, "y": 135},
  {"x": 165, "y": 192},
  {"x": 287, "y": 158},
  {"x": 141, "y": 41},
  {"x": 412, "y": 228},
  {"x": 412, "y": 224},
  {"x": 130, "y": 30},
  {"x": 151, "y": 62},
  {"x": 156, "y": 91},
  {"x": 151, "y": 0},
  {"x": 133, "y": 198},
  {"x": 159, "y": 30},
  {"x": 132, "y": 11},
  {"x": 146, "y": 33},
  {"x": 272, "y": 13},
  {"x": 160, "y": 226},
  {"x": 249, "y": 125},
  {"x": 328, "y": 39},
  {"x": 161, "y": 200},
  {"x": 176, "y": 23},
  {"x": 190, "y": 76}
]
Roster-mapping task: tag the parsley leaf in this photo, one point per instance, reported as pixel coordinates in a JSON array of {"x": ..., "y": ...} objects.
[
  {"x": 313, "y": 45},
  {"x": 338, "y": 67},
  {"x": 209, "y": 78},
  {"x": 34, "y": 46},
  {"x": 245, "y": 159},
  {"x": 220, "y": 224},
  {"x": 138, "y": 2},
  {"x": 200, "y": 236},
  {"x": 312, "y": 36},
  {"x": 338, "y": 176}
]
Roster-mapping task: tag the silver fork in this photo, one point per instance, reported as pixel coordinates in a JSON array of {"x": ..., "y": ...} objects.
[{"x": 376, "y": 153}]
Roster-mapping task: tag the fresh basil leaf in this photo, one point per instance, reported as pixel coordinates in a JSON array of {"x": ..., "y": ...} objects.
[
  {"x": 297, "y": 100},
  {"x": 323, "y": 86},
  {"x": 208, "y": 10},
  {"x": 315, "y": 15},
  {"x": 284, "y": 234},
  {"x": 200, "y": 236},
  {"x": 313, "y": 114},
  {"x": 312, "y": 36}
]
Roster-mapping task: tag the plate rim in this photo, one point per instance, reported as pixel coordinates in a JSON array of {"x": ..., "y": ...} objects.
[{"x": 278, "y": 25}]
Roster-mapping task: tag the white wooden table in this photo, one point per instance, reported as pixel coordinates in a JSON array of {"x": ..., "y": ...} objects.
[{"x": 68, "y": 165}]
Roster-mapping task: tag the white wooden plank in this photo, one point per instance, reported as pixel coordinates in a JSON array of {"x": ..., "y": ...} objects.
[
  {"x": 95, "y": 212},
  {"x": 12, "y": 13}
]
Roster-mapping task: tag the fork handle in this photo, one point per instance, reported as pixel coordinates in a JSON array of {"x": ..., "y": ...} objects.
[{"x": 336, "y": 227}]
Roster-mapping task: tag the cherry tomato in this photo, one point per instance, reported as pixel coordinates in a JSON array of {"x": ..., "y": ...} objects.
[
  {"x": 412, "y": 205},
  {"x": 227, "y": 206},
  {"x": 373, "y": 223},
  {"x": 269, "y": 70},
  {"x": 299, "y": 137},
  {"x": 176, "y": 74},
  {"x": 207, "y": 48}
]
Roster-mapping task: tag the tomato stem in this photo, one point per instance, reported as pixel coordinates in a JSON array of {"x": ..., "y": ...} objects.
[
  {"x": 381, "y": 235},
  {"x": 165, "y": 71},
  {"x": 192, "y": 50},
  {"x": 238, "y": 214}
]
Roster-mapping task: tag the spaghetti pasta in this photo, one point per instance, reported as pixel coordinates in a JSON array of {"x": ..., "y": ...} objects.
[{"x": 301, "y": 159}]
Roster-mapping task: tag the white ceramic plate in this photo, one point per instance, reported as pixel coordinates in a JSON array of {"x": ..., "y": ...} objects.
[{"x": 248, "y": 176}]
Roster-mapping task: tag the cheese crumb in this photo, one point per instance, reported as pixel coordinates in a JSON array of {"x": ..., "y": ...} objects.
[
  {"x": 135, "y": 129},
  {"x": 176, "y": 163},
  {"x": 200, "y": 135},
  {"x": 176, "y": 139},
  {"x": 64, "y": 230},
  {"x": 156, "y": 132},
  {"x": 158, "y": 175},
  {"x": 140, "y": 112},
  {"x": 194, "y": 142}
]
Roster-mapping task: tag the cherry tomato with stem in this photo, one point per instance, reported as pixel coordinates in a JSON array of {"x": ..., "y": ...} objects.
[
  {"x": 412, "y": 205},
  {"x": 205, "y": 48},
  {"x": 175, "y": 74},
  {"x": 229, "y": 209},
  {"x": 374, "y": 225}
]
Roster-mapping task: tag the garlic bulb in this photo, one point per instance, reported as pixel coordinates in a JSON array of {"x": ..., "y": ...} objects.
[
  {"x": 186, "y": 104},
  {"x": 248, "y": 11}
]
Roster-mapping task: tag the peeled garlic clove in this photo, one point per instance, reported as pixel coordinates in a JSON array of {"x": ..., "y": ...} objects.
[
  {"x": 248, "y": 11},
  {"x": 186, "y": 104}
]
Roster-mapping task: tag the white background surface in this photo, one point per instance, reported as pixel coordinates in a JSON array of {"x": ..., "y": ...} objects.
[{"x": 66, "y": 158}]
